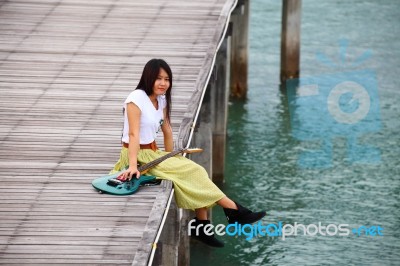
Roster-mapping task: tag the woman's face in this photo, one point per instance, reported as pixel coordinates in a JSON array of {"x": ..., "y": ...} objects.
[{"x": 161, "y": 85}]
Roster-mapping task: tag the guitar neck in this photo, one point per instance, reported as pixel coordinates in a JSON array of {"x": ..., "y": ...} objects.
[{"x": 147, "y": 166}]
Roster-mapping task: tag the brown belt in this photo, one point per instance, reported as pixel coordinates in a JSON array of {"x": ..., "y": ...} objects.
[{"x": 152, "y": 146}]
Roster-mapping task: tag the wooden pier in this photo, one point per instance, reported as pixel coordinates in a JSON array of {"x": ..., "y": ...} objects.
[{"x": 65, "y": 68}]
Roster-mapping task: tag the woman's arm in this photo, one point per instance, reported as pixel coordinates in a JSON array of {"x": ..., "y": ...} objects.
[
  {"x": 167, "y": 132},
  {"x": 134, "y": 139}
]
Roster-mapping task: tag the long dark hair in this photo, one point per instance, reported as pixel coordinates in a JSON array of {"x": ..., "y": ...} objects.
[{"x": 149, "y": 76}]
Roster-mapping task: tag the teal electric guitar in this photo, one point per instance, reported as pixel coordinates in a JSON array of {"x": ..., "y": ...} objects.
[{"x": 114, "y": 185}]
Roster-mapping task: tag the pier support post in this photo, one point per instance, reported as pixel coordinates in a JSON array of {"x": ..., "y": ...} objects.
[
  {"x": 239, "y": 55},
  {"x": 202, "y": 136},
  {"x": 290, "y": 40},
  {"x": 219, "y": 99}
]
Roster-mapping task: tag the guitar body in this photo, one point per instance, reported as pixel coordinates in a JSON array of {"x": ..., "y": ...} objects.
[
  {"x": 111, "y": 184},
  {"x": 108, "y": 184}
]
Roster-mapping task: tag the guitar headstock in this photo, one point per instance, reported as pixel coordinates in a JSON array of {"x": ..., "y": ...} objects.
[{"x": 191, "y": 150}]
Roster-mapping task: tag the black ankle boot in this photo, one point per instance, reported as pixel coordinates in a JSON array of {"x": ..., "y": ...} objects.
[
  {"x": 209, "y": 240},
  {"x": 242, "y": 215}
]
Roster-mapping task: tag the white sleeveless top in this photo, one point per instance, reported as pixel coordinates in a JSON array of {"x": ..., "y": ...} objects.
[{"x": 151, "y": 118}]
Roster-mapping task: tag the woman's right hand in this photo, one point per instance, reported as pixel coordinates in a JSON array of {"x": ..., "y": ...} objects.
[{"x": 129, "y": 173}]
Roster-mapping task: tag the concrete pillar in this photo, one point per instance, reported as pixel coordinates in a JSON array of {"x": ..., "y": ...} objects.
[
  {"x": 219, "y": 111},
  {"x": 290, "y": 40},
  {"x": 239, "y": 49}
]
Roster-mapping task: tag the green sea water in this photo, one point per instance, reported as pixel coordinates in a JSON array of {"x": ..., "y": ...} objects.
[{"x": 263, "y": 167}]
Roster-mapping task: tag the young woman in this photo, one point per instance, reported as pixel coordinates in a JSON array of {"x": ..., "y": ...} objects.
[{"x": 146, "y": 112}]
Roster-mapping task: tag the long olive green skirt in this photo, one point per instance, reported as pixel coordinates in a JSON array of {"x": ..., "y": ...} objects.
[{"x": 193, "y": 188}]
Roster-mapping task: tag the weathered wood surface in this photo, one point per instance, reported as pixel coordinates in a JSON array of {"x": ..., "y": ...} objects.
[{"x": 65, "y": 68}]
